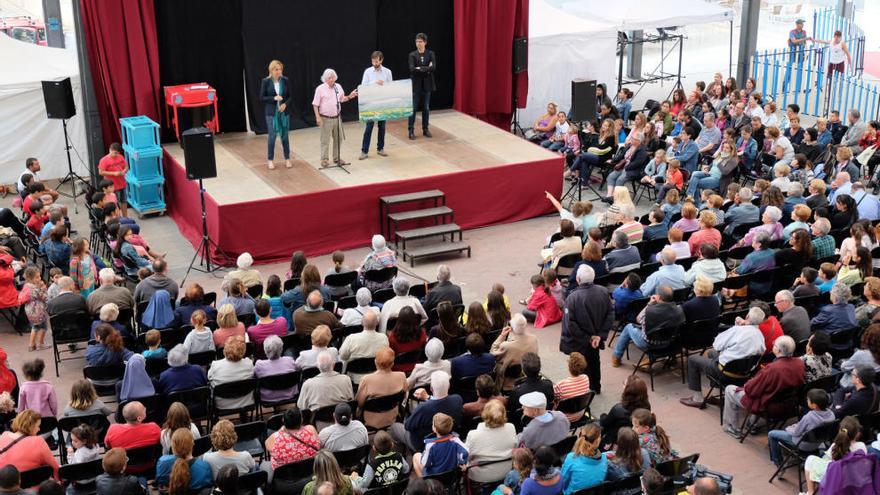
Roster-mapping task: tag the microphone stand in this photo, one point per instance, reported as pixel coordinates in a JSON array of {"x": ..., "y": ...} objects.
[{"x": 340, "y": 133}]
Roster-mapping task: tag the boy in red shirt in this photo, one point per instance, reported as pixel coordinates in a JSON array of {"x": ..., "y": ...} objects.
[{"x": 113, "y": 168}]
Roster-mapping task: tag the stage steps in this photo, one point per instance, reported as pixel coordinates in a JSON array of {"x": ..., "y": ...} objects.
[{"x": 441, "y": 215}]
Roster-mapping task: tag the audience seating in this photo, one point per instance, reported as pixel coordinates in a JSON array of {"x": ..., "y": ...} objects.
[
  {"x": 197, "y": 401},
  {"x": 736, "y": 372},
  {"x": 156, "y": 407},
  {"x": 80, "y": 473},
  {"x": 666, "y": 344},
  {"x": 396, "y": 488},
  {"x": 69, "y": 328},
  {"x": 255, "y": 291},
  {"x": 98, "y": 421},
  {"x": 577, "y": 404},
  {"x": 280, "y": 381},
  {"x": 104, "y": 379},
  {"x": 253, "y": 482},
  {"x": 353, "y": 459},
  {"x": 383, "y": 404},
  {"x": 235, "y": 390},
  {"x": 794, "y": 456},
  {"x": 250, "y": 438},
  {"x": 35, "y": 476}
]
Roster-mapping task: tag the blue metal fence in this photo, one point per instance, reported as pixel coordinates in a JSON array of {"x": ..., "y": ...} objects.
[{"x": 801, "y": 77}]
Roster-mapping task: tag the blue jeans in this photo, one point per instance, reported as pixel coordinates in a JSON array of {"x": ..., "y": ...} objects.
[
  {"x": 421, "y": 99},
  {"x": 774, "y": 437},
  {"x": 368, "y": 133},
  {"x": 700, "y": 181},
  {"x": 616, "y": 178},
  {"x": 585, "y": 163},
  {"x": 553, "y": 145},
  {"x": 285, "y": 144},
  {"x": 630, "y": 333}
]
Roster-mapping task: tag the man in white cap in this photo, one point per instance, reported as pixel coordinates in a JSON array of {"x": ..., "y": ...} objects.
[
  {"x": 546, "y": 427},
  {"x": 586, "y": 321},
  {"x": 248, "y": 276}
]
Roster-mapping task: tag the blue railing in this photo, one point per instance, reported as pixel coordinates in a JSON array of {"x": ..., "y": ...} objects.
[{"x": 801, "y": 77}]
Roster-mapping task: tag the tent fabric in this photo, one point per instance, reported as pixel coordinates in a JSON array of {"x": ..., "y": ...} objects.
[
  {"x": 563, "y": 47},
  {"x": 484, "y": 34},
  {"x": 27, "y": 132},
  {"x": 633, "y": 15}
]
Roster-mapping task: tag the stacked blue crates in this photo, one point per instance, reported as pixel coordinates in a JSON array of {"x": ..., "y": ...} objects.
[{"x": 145, "y": 177}]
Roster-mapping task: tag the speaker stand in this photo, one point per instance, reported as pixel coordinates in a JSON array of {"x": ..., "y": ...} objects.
[
  {"x": 203, "y": 251},
  {"x": 514, "y": 124},
  {"x": 71, "y": 177},
  {"x": 340, "y": 134}
]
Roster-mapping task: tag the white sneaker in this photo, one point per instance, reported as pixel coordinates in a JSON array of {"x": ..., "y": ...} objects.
[
  {"x": 271, "y": 165},
  {"x": 363, "y": 156}
]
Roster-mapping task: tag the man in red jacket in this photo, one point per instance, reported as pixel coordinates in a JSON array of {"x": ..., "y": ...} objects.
[{"x": 785, "y": 373}]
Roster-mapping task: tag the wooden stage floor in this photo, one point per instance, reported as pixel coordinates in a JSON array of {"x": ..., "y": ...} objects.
[{"x": 460, "y": 143}]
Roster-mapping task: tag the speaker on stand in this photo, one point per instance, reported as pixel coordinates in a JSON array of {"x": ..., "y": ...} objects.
[
  {"x": 520, "y": 64},
  {"x": 58, "y": 96},
  {"x": 200, "y": 163},
  {"x": 583, "y": 109}
]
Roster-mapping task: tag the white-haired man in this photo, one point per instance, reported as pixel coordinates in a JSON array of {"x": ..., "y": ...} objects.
[
  {"x": 327, "y": 104},
  {"x": 586, "y": 321},
  {"x": 842, "y": 184},
  {"x": 109, "y": 292},
  {"x": 67, "y": 300},
  {"x": 737, "y": 342},
  {"x": 783, "y": 374},
  {"x": 401, "y": 299},
  {"x": 445, "y": 290},
  {"x": 363, "y": 344},
  {"x": 510, "y": 346},
  {"x": 418, "y": 425},
  {"x": 327, "y": 388},
  {"x": 669, "y": 274}
]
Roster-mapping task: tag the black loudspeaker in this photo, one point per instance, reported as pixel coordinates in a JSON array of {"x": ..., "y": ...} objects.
[
  {"x": 583, "y": 100},
  {"x": 520, "y": 55},
  {"x": 198, "y": 153},
  {"x": 58, "y": 96}
]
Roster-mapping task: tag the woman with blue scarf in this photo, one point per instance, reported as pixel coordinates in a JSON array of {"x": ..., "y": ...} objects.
[
  {"x": 275, "y": 95},
  {"x": 159, "y": 313},
  {"x": 135, "y": 384}
]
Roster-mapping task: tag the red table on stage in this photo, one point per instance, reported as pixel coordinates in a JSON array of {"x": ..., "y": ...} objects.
[{"x": 191, "y": 96}]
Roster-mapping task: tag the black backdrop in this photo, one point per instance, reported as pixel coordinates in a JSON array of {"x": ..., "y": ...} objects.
[
  {"x": 229, "y": 43},
  {"x": 200, "y": 41}
]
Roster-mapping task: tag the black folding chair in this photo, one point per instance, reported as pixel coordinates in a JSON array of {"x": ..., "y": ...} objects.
[
  {"x": 255, "y": 291},
  {"x": 276, "y": 383},
  {"x": 35, "y": 476},
  {"x": 383, "y": 295},
  {"x": 202, "y": 446},
  {"x": 97, "y": 421},
  {"x": 577, "y": 404},
  {"x": 340, "y": 279},
  {"x": 662, "y": 343},
  {"x": 383, "y": 404},
  {"x": 196, "y": 400},
  {"x": 69, "y": 328},
  {"x": 104, "y": 379},
  {"x": 204, "y": 358},
  {"x": 396, "y": 488},
  {"x": 352, "y": 459},
  {"x": 250, "y": 438},
  {"x": 795, "y": 455},
  {"x": 250, "y": 483},
  {"x": 155, "y": 367},
  {"x": 289, "y": 474},
  {"x": 154, "y": 404},
  {"x": 238, "y": 389},
  {"x": 81, "y": 476},
  {"x": 360, "y": 366},
  {"x": 381, "y": 276}
]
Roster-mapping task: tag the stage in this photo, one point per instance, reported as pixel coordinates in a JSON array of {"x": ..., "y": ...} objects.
[{"x": 489, "y": 176}]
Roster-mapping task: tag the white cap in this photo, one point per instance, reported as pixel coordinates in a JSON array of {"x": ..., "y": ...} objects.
[{"x": 536, "y": 400}]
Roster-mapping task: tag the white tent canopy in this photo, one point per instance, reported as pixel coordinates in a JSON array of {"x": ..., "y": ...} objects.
[
  {"x": 633, "y": 15},
  {"x": 563, "y": 47},
  {"x": 572, "y": 39},
  {"x": 26, "y": 131}
]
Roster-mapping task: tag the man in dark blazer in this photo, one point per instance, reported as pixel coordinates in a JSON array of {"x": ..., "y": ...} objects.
[
  {"x": 422, "y": 64},
  {"x": 66, "y": 300},
  {"x": 443, "y": 291},
  {"x": 275, "y": 95}
]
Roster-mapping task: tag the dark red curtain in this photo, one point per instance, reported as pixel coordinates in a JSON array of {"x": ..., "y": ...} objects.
[
  {"x": 124, "y": 58},
  {"x": 484, "y": 33}
]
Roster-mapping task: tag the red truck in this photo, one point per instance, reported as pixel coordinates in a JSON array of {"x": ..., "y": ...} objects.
[{"x": 24, "y": 28}]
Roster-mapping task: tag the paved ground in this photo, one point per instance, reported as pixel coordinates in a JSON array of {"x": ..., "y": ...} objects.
[{"x": 506, "y": 254}]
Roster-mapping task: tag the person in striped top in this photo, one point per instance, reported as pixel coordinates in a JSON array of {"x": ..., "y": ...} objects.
[{"x": 575, "y": 385}]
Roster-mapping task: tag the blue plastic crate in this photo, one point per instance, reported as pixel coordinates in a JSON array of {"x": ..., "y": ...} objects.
[
  {"x": 146, "y": 195},
  {"x": 139, "y": 132},
  {"x": 144, "y": 163}
]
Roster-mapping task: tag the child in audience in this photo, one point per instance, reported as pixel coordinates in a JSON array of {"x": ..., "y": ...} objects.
[
  {"x": 143, "y": 273},
  {"x": 38, "y": 217},
  {"x": 200, "y": 338},
  {"x": 847, "y": 440},
  {"x": 572, "y": 141},
  {"x": 805, "y": 285},
  {"x": 620, "y": 130},
  {"x": 626, "y": 292},
  {"x": 818, "y": 415},
  {"x": 656, "y": 168},
  {"x": 781, "y": 180},
  {"x": 53, "y": 290},
  {"x": 273, "y": 295},
  {"x": 97, "y": 206},
  {"x": 33, "y": 296},
  {"x": 652, "y": 437},
  {"x": 499, "y": 288},
  {"x": 827, "y": 277},
  {"x": 522, "y": 467},
  {"x": 556, "y": 289},
  {"x": 760, "y": 186},
  {"x": 338, "y": 267},
  {"x": 671, "y": 205},
  {"x": 443, "y": 452},
  {"x": 682, "y": 248},
  {"x": 84, "y": 445},
  {"x": 541, "y": 307},
  {"x": 114, "y": 463},
  {"x": 35, "y": 393},
  {"x": 109, "y": 193},
  {"x": 657, "y": 229},
  {"x": 385, "y": 467},
  {"x": 154, "y": 350}
]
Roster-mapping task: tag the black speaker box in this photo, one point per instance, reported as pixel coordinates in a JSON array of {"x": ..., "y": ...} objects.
[
  {"x": 58, "y": 96},
  {"x": 583, "y": 100},
  {"x": 520, "y": 55},
  {"x": 198, "y": 153}
]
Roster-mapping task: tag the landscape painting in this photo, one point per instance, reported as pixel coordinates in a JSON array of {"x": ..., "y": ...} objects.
[{"x": 385, "y": 102}]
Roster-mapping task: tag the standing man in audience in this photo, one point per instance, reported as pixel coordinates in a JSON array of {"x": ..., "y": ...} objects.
[
  {"x": 159, "y": 280},
  {"x": 381, "y": 75},
  {"x": 113, "y": 168},
  {"x": 443, "y": 291},
  {"x": 109, "y": 292},
  {"x": 327, "y": 105},
  {"x": 737, "y": 342},
  {"x": 586, "y": 321},
  {"x": 422, "y": 64}
]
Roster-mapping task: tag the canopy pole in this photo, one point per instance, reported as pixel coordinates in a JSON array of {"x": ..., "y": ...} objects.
[{"x": 730, "y": 52}]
